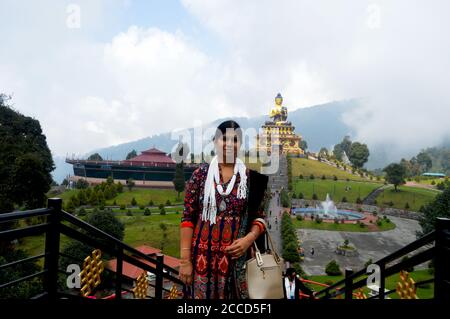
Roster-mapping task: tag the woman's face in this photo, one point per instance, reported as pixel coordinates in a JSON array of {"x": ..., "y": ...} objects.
[{"x": 227, "y": 146}]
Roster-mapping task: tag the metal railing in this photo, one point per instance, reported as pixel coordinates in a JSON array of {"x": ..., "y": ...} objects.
[
  {"x": 60, "y": 223},
  {"x": 434, "y": 246}
]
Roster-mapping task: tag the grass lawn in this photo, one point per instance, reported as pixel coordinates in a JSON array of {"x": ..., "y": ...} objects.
[
  {"x": 414, "y": 196},
  {"x": 139, "y": 230},
  {"x": 306, "y": 167},
  {"x": 308, "y": 224},
  {"x": 391, "y": 282},
  {"x": 336, "y": 189},
  {"x": 144, "y": 195}
]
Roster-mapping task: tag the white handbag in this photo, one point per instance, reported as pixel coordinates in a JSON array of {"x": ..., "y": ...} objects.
[{"x": 264, "y": 273}]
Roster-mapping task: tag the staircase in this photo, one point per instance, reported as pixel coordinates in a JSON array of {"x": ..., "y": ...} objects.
[{"x": 279, "y": 179}]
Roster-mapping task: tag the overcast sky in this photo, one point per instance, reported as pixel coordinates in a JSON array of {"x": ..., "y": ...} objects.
[{"x": 101, "y": 72}]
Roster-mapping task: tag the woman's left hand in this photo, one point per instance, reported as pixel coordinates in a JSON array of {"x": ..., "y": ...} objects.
[{"x": 238, "y": 247}]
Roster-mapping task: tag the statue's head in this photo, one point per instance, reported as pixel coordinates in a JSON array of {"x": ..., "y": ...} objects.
[{"x": 279, "y": 99}]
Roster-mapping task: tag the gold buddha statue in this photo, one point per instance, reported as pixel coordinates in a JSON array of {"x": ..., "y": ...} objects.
[{"x": 279, "y": 112}]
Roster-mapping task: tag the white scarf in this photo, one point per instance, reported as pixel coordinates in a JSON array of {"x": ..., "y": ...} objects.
[
  {"x": 209, "y": 198},
  {"x": 287, "y": 284}
]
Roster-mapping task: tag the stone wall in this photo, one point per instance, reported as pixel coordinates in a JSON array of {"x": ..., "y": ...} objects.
[{"x": 388, "y": 211}]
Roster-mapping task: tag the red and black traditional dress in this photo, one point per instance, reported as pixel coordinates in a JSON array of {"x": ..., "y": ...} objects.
[{"x": 214, "y": 273}]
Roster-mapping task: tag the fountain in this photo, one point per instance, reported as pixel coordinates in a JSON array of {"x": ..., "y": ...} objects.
[{"x": 327, "y": 210}]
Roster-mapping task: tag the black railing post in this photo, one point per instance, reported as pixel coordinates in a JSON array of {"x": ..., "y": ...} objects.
[
  {"x": 159, "y": 276},
  {"x": 52, "y": 248},
  {"x": 382, "y": 282},
  {"x": 119, "y": 270},
  {"x": 442, "y": 260},
  {"x": 348, "y": 289}
]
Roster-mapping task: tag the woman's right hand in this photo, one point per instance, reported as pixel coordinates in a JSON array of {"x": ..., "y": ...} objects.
[{"x": 185, "y": 272}]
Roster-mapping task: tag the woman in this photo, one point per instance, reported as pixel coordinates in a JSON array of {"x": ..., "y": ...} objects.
[{"x": 222, "y": 201}]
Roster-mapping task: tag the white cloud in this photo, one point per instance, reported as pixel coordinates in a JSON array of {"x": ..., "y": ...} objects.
[
  {"x": 90, "y": 92},
  {"x": 392, "y": 53}
]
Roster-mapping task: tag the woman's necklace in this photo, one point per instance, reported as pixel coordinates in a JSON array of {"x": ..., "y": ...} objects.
[{"x": 219, "y": 187}]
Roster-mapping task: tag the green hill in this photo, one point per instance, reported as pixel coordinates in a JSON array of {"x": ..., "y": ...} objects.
[
  {"x": 414, "y": 196},
  {"x": 306, "y": 167}
]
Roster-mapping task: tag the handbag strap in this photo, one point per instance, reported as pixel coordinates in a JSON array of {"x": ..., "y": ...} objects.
[{"x": 272, "y": 246}]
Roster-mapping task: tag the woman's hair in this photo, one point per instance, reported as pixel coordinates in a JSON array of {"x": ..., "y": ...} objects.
[{"x": 222, "y": 129}]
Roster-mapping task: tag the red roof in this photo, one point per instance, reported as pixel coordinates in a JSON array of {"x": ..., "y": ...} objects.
[
  {"x": 152, "y": 155},
  {"x": 133, "y": 272}
]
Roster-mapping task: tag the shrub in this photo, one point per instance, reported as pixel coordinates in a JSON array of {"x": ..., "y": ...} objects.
[
  {"x": 335, "y": 178},
  {"x": 407, "y": 205},
  {"x": 115, "y": 203},
  {"x": 358, "y": 200},
  {"x": 82, "y": 212},
  {"x": 323, "y": 177},
  {"x": 168, "y": 203},
  {"x": 344, "y": 199},
  {"x": 332, "y": 269},
  {"x": 122, "y": 207},
  {"x": 379, "y": 223},
  {"x": 294, "y": 196},
  {"x": 433, "y": 182},
  {"x": 150, "y": 203},
  {"x": 141, "y": 207},
  {"x": 300, "y": 195},
  {"x": 314, "y": 196},
  {"x": 147, "y": 212},
  {"x": 162, "y": 211},
  {"x": 129, "y": 213},
  {"x": 391, "y": 203},
  {"x": 299, "y": 217},
  {"x": 161, "y": 206},
  {"x": 301, "y": 176},
  {"x": 311, "y": 176},
  {"x": 133, "y": 202}
]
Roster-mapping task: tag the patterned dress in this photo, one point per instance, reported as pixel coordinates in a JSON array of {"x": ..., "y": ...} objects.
[{"x": 211, "y": 265}]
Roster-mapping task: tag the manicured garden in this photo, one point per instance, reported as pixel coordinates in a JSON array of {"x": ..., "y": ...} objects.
[
  {"x": 409, "y": 198},
  {"x": 339, "y": 191}
]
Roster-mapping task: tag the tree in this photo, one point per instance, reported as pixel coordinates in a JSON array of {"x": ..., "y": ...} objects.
[
  {"x": 424, "y": 160},
  {"x": 178, "y": 181},
  {"x": 130, "y": 184},
  {"x": 65, "y": 182},
  {"x": 439, "y": 207},
  {"x": 303, "y": 145},
  {"x": 95, "y": 157},
  {"x": 119, "y": 187},
  {"x": 395, "y": 174},
  {"x": 109, "y": 180},
  {"x": 131, "y": 155},
  {"x": 25, "y": 160},
  {"x": 359, "y": 154},
  {"x": 332, "y": 269},
  {"x": 25, "y": 165},
  {"x": 342, "y": 147},
  {"x": 82, "y": 184}
]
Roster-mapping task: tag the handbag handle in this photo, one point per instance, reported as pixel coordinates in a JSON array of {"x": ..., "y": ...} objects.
[{"x": 258, "y": 253}]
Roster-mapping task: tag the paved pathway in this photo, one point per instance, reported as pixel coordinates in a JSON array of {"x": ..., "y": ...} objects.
[{"x": 370, "y": 245}]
